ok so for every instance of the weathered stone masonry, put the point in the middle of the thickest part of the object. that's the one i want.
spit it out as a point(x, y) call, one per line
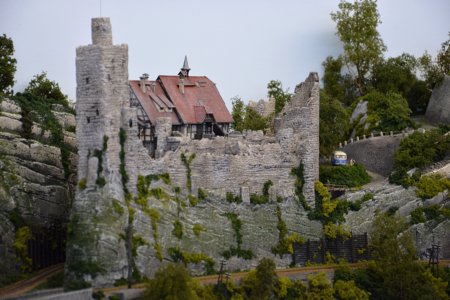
point(238, 164)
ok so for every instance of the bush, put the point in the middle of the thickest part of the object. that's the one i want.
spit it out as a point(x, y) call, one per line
point(232, 198)
point(421, 149)
point(351, 176)
point(430, 186)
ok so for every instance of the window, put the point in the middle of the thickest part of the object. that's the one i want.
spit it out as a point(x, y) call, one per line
point(130, 122)
point(88, 119)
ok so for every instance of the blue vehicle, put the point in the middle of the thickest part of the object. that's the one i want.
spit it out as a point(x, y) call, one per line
point(339, 158)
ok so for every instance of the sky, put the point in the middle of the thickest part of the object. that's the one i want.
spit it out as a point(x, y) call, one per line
point(239, 44)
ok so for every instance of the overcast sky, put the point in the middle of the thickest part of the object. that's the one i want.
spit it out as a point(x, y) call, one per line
point(239, 44)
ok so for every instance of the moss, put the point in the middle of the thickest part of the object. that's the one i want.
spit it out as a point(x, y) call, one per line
point(193, 201)
point(23, 234)
point(82, 183)
point(285, 243)
point(118, 207)
point(177, 229)
point(177, 255)
point(197, 229)
point(187, 163)
point(232, 198)
point(159, 193)
point(201, 194)
point(236, 224)
point(299, 183)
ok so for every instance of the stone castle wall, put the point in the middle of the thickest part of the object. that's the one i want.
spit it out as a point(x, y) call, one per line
point(237, 164)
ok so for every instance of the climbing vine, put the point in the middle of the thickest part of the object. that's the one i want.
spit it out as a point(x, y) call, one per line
point(187, 161)
point(264, 198)
point(299, 183)
point(285, 243)
point(236, 224)
point(177, 255)
point(99, 154)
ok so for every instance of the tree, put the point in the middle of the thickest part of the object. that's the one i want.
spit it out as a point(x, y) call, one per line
point(275, 91)
point(347, 290)
point(403, 277)
point(261, 283)
point(435, 70)
point(42, 88)
point(398, 74)
point(253, 120)
point(319, 287)
point(7, 64)
point(171, 282)
point(334, 124)
point(238, 113)
point(388, 112)
point(357, 29)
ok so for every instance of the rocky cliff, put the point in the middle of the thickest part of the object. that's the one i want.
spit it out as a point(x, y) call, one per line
point(36, 190)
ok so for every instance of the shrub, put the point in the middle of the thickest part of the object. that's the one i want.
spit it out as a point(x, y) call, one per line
point(232, 198)
point(421, 149)
point(177, 229)
point(82, 183)
point(197, 229)
point(430, 186)
point(351, 176)
point(201, 194)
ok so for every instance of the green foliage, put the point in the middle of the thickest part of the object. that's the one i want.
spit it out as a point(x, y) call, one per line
point(7, 64)
point(193, 201)
point(23, 234)
point(201, 194)
point(122, 168)
point(16, 218)
point(395, 272)
point(37, 110)
point(86, 267)
point(434, 70)
point(347, 290)
point(171, 282)
point(357, 29)
point(40, 87)
point(418, 149)
point(334, 124)
point(285, 243)
point(350, 176)
point(99, 154)
point(138, 241)
point(430, 186)
point(253, 120)
point(187, 257)
point(197, 229)
point(177, 229)
point(387, 112)
point(238, 113)
point(398, 74)
point(232, 198)
point(187, 163)
point(117, 207)
point(356, 205)
point(400, 176)
point(299, 183)
point(319, 287)
point(281, 97)
point(432, 212)
point(236, 224)
point(264, 198)
point(261, 283)
point(82, 183)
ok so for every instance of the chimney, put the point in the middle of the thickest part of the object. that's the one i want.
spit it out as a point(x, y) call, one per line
point(181, 85)
point(143, 79)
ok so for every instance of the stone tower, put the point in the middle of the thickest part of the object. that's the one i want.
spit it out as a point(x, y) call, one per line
point(98, 213)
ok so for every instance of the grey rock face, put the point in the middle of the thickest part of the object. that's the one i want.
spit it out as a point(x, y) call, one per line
point(438, 110)
point(32, 184)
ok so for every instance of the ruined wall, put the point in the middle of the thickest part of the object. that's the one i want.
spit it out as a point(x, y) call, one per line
point(103, 213)
point(297, 130)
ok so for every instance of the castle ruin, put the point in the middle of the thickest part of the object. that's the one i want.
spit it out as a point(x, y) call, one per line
point(132, 211)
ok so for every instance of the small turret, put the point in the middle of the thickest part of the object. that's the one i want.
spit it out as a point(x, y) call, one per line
point(185, 69)
point(101, 31)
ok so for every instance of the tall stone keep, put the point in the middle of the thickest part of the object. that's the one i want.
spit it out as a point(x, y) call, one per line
point(102, 91)
point(96, 252)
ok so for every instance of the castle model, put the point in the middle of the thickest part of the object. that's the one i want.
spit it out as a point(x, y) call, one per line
point(161, 179)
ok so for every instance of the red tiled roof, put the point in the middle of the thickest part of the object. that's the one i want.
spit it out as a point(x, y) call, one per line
point(200, 97)
point(198, 91)
point(150, 98)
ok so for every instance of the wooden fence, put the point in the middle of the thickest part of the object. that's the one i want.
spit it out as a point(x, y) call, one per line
point(351, 249)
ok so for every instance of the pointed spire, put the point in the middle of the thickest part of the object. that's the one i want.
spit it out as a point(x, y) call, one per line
point(185, 69)
point(185, 64)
